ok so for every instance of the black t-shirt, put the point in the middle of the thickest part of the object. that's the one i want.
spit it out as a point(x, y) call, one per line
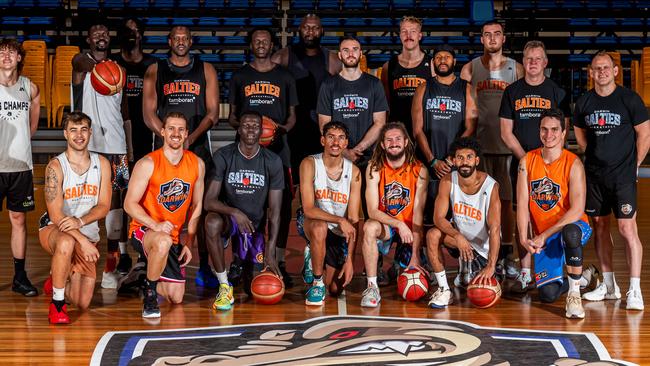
point(611, 139)
point(142, 136)
point(353, 103)
point(524, 103)
point(246, 182)
point(271, 94)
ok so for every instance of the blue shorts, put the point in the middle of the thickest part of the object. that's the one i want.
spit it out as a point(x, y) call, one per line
point(549, 263)
point(384, 245)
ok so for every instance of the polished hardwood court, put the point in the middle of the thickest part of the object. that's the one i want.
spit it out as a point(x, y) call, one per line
point(27, 338)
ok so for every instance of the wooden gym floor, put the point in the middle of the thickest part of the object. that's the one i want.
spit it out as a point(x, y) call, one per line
point(29, 339)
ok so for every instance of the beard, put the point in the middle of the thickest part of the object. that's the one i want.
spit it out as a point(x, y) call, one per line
point(466, 171)
point(395, 157)
point(439, 72)
point(311, 43)
point(352, 64)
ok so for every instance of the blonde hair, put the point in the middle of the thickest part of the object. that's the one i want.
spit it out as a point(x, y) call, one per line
point(411, 19)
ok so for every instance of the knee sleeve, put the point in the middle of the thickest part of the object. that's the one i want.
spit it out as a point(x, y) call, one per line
point(549, 293)
point(114, 224)
point(572, 237)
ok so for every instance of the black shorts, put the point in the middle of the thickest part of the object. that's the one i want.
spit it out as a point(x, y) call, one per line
point(336, 250)
point(18, 187)
point(173, 271)
point(120, 174)
point(604, 197)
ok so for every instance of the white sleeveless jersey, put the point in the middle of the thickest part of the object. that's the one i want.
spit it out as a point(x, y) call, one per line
point(105, 113)
point(81, 192)
point(470, 213)
point(331, 195)
point(15, 135)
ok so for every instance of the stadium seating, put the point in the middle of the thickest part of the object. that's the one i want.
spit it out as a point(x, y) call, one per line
point(35, 67)
point(61, 80)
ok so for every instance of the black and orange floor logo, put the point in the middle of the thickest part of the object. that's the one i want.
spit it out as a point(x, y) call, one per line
point(352, 340)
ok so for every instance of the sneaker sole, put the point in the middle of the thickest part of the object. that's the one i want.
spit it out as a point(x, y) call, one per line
point(627, 307)
point(26, 294)
point(370, 305)
point(222, 308)
point(309, 303)
point(434, 306)
point(575, 316)
point(60, 322)
point(606, 297)
point(149, 316)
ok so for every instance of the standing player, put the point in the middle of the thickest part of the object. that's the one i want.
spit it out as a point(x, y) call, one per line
point(404, 72)
point(521, 107)
point(183, 83)
point(18, 122)
point(475, 233)
point(551, 192)
point(248, 180)
point(396, 190)
point(109, 117)
point(489, 75)
point(166, 190)
point(77, 195)
point(611, 126)
point(331, 198)
point(269, 89)
point(310, 64)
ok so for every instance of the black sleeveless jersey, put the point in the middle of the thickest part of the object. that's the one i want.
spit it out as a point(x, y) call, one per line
point(402, 83)
point(444, 114)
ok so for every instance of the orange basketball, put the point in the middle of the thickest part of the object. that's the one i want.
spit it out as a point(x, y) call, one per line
point(268, 131)
point(267, 288)
point(412, 285)
point(107, 78)
point(484, 296)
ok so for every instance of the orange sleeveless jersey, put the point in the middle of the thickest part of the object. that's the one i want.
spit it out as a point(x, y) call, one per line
point(397, 191)
point(169, 193)
point(548, 187)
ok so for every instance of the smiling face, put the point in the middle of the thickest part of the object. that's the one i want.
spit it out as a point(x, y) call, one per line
point(551, 132)
point(603, 71)
point(334, 142)
point(98, 38)
point(77, 134)
point(466, 161)
point(174, 132)
point(9, 58)
point(394, 143)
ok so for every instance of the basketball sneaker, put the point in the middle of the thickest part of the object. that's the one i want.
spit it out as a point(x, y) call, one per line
point(47, 286)
point(511, 268)
point(634, 300)
point(205, 278)
point(22, 286)
point(234, 272)
point(574, 307)
point(441, 298)
point(286, 277)
point(590, 277)
point(58, 313)
point(307, 271)
point(110, 280)
point(602, 293)
point(133, 279)
point(522, 284)
point(370, 297)
point(124, 265)
point(315, 295)
point(150, 307)
point(225, 298)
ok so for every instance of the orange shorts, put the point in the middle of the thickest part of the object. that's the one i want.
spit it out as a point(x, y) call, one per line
point(78, 263)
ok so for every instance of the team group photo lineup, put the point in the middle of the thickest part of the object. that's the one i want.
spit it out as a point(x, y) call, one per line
point(427, 180)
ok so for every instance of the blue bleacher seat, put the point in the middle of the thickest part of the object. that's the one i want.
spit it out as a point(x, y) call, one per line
point(572, 4)
point(328, 4)
point(433, 40)
point(462, 58)
point(580, 22)
point(238, 4)
point(13, 20)
point(39, 37)
point(138, 4)
point(352, 5)
point(162, 3)
point(160, 55)
point(429, 4)
point(6, 3)
point(234, 40)
point(403, 4)
point(379, 4)
point(632, 22)
point(182, 21)
point(381, 22)
point(380, 40)
point(329, 22)
point(598, 4)
point(433, 22)
point(261, 22)
point(606, 40)
point(264, 4)
point(238, 58)
point(157, 21)
point(88, 4)
point(481, 11)
point(40, 20)
point(23, 3)
point(330, 40)
point(519, 5)
point(354, 22)
point(606, 22)
point(189, 4)
point(580, 58)
point(207, 40)
point(547, 4)
point(459, 40)
point(302, 4)
point(621, 4)
point(210, 57)
point(235, 22)
point(378, 57)
point(580, 40)
point(214, 4)
point(113, 4)
point(49, 3)
point(632, 41)
point(458, 22)
point(209, 21)
point(155, 40)
point(455, 4)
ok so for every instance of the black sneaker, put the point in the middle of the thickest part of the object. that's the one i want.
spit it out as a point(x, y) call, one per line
point(150, 307)
point(234, 273)
point(22, 286)
point(124, 265)
point(286, 278)
point(382, 279)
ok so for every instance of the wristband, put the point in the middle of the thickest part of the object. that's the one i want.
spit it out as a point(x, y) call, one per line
point(433, 162)
point(81, 222)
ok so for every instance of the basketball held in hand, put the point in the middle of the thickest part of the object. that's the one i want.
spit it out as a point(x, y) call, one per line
point(412, 285)
point(107, 78)
point(267, 288)
point(484, 296)
point(268, 131)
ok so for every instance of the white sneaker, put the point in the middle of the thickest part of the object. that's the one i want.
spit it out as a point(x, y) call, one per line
point(110, 280)
point(574, 307)
point(441, 298)
point(512, 271)
point(522, 284)
point(371, 297)
point(601, 293)
point(590, 274)
point(634, 300)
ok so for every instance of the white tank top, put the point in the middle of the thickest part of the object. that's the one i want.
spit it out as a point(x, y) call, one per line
point(15, 135)
point(107, 124)
point(81, 192)
point(331, 195)
point(470, 213)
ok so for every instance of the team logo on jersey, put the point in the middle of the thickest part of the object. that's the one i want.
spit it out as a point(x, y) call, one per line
point(444, 105)
point(545, 193)
point(396, 198)
point(603, 118)
point(626, 209)
point(173, 194)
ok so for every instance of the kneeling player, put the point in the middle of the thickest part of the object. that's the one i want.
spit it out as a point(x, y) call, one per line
point(552, 181)
point(246, 178)
point(165, 189)
point(476, 212)
point(77, 194)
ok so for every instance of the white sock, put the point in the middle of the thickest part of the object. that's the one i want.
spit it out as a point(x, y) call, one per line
point(574, 286)
point(222, 277)
point(318, 281)
point(583, 281)
point(442, 280)
point(635, 283)
point(58, 294)
point(608, 278)
point(279, 254)
point(525, 272)
point(122, 245)
point(372, 281)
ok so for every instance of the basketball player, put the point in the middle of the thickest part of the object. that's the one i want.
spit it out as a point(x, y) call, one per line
point(331, 198)
point(521, 106)
point(489, 76)
point(18, 122)
point(310, 64)
point(611, 126)
point(404, 72)
point(77, 195)
point(110, 121)
point(248, 180)
point(396, 190)
point(551, 191)
point(183, 83)
point(475, 234)
point(166, 192)
point(269, 89)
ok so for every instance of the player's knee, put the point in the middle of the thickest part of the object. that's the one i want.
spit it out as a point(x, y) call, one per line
point(319, 230)
point(572, 236)
point(549, 293)
point(83, 304)
point(628, 230)
point(160, 246)
point(335, 289)
point(176, 297)
point(65, 245)
point(17, 219)
point(371, 229)
point(213, 224)
point(433, 237)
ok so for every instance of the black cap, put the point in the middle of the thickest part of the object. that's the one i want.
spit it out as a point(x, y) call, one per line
point(446, 48)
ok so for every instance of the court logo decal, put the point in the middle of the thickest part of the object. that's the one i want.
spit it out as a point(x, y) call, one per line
point(173, 194)
point(352, 340)
point(545, 193)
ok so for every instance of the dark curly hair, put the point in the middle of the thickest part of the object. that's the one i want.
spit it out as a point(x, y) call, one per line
point(465, 143)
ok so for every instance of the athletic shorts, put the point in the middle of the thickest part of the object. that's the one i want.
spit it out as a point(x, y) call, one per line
point(18, 187)
point(549, 263)
point(173, 271)
point(249, 247)
point(603, 197)
point(77, 264)
point(498, 167)
point(475, 266)
point(393, 237)
point(336, 248)
point(119, 171)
